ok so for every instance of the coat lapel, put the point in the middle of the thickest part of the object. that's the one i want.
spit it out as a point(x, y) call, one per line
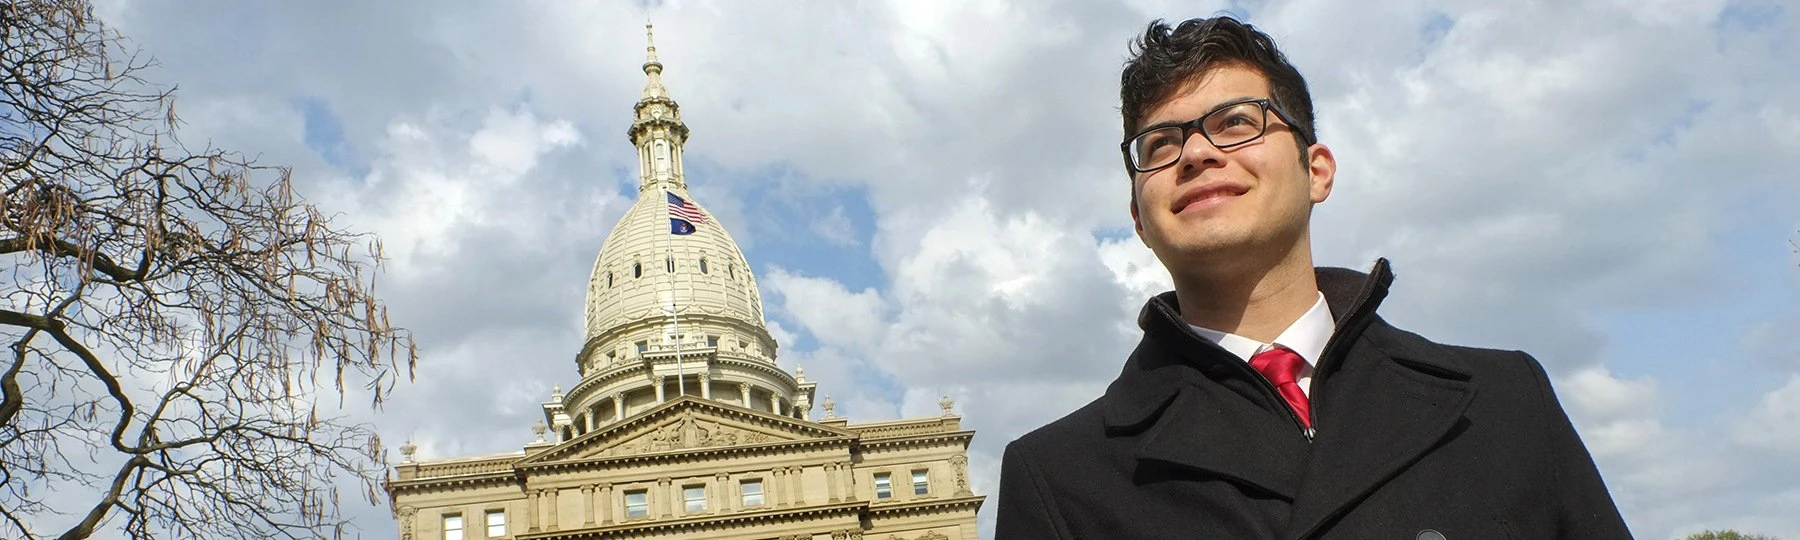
point(1376, 416)
point(1194, 406)
point(1225, 436)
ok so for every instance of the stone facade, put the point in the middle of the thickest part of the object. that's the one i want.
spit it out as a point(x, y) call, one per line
point(681, 425)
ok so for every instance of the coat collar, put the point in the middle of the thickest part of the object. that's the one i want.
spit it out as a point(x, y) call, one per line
point(1401, 393)
point(1171, 356)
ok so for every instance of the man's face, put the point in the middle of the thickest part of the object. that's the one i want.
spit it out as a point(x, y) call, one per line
point(1215, 206)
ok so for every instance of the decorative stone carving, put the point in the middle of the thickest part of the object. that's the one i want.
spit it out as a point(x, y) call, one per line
point(689, 432)
point(946, 404)
point(960, 463)
point(406, 522)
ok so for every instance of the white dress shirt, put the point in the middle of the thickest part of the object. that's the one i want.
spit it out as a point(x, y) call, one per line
point(1306, 336)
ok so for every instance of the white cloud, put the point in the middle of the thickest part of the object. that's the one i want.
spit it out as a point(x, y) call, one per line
point(1774, 424)
point(1535, 172)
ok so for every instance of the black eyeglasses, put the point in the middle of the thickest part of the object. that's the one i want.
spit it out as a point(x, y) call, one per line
point(1229, 125)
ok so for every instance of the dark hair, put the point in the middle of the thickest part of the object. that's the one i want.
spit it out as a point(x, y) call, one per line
point(1167, 58)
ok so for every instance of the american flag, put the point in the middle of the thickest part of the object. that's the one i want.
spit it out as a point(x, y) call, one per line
point(686, 211)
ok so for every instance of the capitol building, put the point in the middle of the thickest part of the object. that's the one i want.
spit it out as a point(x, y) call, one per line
point(680, 424)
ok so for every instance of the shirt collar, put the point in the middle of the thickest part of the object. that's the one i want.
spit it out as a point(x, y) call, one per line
point(1306, 336)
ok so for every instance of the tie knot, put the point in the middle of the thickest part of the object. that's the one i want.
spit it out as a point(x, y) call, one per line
point(1280, 364)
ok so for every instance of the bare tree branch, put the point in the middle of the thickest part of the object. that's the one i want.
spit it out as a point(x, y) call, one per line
point(192, 302)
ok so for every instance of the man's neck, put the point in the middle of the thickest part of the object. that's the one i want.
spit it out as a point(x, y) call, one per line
point(1257, 302)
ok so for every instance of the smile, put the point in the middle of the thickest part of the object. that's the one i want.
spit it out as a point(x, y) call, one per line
point(1208, 195)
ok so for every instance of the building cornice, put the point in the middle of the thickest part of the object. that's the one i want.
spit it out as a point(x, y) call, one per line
point(507, 477)
point(962, 437)
point(927, 506)
point(853, 509)
point(680, 455)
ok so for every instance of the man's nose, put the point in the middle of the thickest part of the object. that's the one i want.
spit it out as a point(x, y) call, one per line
point(1199, 153)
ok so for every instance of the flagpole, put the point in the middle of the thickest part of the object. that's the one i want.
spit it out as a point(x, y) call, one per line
point(674, 311)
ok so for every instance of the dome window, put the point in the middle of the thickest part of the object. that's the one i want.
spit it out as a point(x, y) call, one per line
point(671, 265)
point(637, 270)
point(703, 265)
point(609, 281)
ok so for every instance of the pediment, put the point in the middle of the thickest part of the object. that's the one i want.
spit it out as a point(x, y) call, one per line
point(687, 424)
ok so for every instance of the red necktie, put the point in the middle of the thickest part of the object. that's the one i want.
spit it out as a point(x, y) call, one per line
point(1282, 366)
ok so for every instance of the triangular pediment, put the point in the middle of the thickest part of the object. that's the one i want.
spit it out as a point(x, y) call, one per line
point(687, 424)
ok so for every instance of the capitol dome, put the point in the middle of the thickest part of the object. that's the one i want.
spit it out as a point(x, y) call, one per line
point(672, 305)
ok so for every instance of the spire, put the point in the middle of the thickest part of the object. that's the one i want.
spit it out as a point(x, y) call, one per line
point(653, 88)
point(657, 131)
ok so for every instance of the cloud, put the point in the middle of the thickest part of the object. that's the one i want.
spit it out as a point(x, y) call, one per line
point(1564, 178)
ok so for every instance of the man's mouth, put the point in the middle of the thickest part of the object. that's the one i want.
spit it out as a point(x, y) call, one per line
point(1208, 196)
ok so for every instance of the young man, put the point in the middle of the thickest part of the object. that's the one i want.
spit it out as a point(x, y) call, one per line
point(1267, 399)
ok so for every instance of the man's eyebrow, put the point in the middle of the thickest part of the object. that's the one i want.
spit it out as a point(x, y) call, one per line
point(1214, 109)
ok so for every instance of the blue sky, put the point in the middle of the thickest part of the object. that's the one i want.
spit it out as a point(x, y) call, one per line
point(931, 197)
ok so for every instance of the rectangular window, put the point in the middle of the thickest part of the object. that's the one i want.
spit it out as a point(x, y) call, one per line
point(695, 498)
point(643, 346)
point(753, 493)
point(712, 341)
point(921, 482)
point(496, 523)
point(637, 504)
point(884, 486)
point(453, 527)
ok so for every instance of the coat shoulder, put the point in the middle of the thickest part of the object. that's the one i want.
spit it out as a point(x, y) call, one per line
point(1087, 422)
point(1481, 364)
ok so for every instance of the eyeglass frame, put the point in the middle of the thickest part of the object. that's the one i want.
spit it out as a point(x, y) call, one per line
point(1197, 124)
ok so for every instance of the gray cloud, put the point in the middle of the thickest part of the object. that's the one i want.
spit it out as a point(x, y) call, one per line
point(1529, 170)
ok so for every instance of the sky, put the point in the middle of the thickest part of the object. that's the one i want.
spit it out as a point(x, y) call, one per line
point(931, 196)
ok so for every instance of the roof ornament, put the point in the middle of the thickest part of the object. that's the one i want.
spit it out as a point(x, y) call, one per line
point(653, 88)
point(830, 407)
point(407, 450)
point(947, 404)
point(539, 429)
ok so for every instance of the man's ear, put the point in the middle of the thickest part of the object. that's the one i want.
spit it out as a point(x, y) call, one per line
point(1137, 221)
point(1321, 171)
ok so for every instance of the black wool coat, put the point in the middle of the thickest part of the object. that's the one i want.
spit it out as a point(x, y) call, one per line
point(1413, 440)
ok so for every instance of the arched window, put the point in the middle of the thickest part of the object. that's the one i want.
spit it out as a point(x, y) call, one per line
point(671, 265)
point(731, 269)
point(609, 281)
point(703, 265)
point(637, 270)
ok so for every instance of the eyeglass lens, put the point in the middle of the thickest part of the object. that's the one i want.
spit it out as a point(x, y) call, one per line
point(1226, 127)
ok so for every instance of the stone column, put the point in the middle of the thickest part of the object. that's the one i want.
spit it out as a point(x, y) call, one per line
point(660, 398)
point(666, 496)
point(618, 406)
point(705, 386)
point(776, 488)
point(531, 511)
point(724, 492)
point(774, 403)
point(588, 419)
point(587, 505)
point(795, 476)
point(551, 494)
point(606, 504)
point(847, 474)
point(744, 390)
point(831, 481)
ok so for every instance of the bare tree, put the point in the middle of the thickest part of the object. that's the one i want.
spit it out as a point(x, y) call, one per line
point(173, 317)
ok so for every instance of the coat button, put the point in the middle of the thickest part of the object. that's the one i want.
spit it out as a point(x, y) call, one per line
point(1429, 534)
